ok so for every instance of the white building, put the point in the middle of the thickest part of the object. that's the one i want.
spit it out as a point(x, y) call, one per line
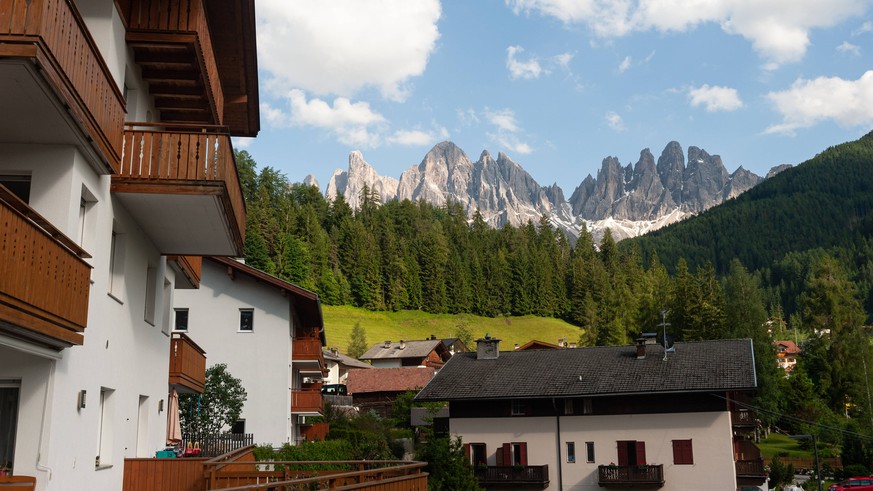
point(103, 192)
point(270, 334)
point(604, 417)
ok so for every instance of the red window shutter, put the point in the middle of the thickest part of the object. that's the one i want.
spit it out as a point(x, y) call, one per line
point(683, 452)
point(523, 446)
point(507, 454)
point(622, 453)
point(641, 453)
point(499, 456)
point(467, 451)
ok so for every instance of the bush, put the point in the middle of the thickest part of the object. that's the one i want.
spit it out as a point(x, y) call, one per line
point(448, 465)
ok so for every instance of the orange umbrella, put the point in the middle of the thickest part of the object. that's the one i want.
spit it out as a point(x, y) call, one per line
point(174, 426)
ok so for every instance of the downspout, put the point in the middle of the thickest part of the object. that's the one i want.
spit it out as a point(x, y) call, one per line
point(49, 388)
point(558, 445)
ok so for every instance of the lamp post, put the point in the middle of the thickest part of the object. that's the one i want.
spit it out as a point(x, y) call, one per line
point(815, 449)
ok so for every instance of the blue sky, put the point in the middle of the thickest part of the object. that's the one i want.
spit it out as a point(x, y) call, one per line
point(559, 84)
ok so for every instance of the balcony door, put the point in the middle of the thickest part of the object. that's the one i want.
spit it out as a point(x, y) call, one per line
point(8, 421)
point(631, 452)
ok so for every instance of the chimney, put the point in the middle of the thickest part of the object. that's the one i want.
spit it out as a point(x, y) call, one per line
point(402, 344)
point(335, 351)
point(433, 337)
point(487, 348)
point(387, 343)
point(641, 348)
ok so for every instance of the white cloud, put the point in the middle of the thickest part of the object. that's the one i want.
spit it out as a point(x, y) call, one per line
point(527, 69)
point(614, 121)
point(418, 137)
point(342, 46)
point(778, 29)
point(468, 117)
point(865, 27)
point(715, 98)
point(353, 123)
point(507, 131)
point(242, 142)
point(848, 48)
point(849, 103)
point(625, 64)
point(563, 60)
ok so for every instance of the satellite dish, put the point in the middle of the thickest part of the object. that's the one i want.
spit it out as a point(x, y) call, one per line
point(668, 344)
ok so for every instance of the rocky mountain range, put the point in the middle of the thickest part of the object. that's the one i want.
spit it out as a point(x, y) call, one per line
point(630, 200)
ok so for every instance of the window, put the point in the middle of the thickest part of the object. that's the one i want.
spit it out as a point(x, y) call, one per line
point(589, 450)
point(571, 452)
point(116, 265)
point(568, 407)
point(181, 320)
point(587, 407)
point(631, 453)
point(9, 390)
point(87, 223)
point(142, 427)
point(682, 452)
point(246, 320)
point(512, 454)
point(19, 185)
point(165, 309)
point(104, 429)
point(239, 427)
point(519, 408)
point(150, 295)
point(478, 455)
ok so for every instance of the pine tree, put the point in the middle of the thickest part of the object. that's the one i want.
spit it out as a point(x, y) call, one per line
point(357, 341)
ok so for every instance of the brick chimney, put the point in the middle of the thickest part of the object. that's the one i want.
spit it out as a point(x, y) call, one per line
point(641, 348)
point(487, 348)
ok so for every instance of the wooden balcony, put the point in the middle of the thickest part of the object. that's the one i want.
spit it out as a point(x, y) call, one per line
point(306, 354)
point(521, 475)
point(307, 401)
point(187, 365)
point(180, 183)
point(743, 418)
point(45, 48)
point(750, 472)
point(44, 283)
point(631, 475)
point(172, 45)
point(188, 270)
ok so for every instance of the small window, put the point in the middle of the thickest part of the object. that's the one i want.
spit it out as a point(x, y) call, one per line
point(239, 427)
point(682, 452)
point(116, 265)
point(246, 320)
point(19, 185)
point(568, 407)
point(104, 428)
point(181, 320)
point(589, 450)
point(519, 408)
point(587, 407)
point(571, 452)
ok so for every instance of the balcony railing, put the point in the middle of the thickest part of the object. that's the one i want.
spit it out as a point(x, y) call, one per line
point(751, 468)
point(306, 401)
point(44, 283)
point(187, 364)
point(189, 160)
point(631, 475)
point(172, 44)
point(743, 418)
point(536, 475)
point(308, 348)
point(52, 34)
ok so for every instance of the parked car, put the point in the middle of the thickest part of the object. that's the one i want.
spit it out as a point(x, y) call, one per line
point(859, 483)
point(334, 389)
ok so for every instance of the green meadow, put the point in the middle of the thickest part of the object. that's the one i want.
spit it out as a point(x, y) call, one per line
point(414, 324)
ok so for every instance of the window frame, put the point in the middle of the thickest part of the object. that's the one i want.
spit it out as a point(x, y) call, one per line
point(571, 452)
point(251, 314)
point(589, 452)
point(176, 312)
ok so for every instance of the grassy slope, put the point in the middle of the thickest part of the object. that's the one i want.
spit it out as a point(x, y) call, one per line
point(412, 324)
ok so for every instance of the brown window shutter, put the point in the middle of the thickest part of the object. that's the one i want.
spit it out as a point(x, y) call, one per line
point(467, 451)
point(683, 452)
point(523, 446)
point(622, 453)
point(507, 454)
point(641, 453)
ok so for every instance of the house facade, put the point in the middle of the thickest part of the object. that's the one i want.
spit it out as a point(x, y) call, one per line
point(604, 417)
point(786, 354)
point(116, 172)
point(377, 389)
point(270, 335)
point(338, 366)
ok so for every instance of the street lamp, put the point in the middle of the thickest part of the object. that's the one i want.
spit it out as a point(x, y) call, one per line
point(815, 449)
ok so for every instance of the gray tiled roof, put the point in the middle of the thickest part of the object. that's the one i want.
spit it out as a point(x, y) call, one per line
point(412, 349)
point(597, 371)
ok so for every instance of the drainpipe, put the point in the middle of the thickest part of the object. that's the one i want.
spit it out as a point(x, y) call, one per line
point(49, 389)
point(558, 445)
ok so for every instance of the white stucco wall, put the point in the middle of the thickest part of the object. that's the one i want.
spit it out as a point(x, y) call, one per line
point(261, 358)
point(710, 433)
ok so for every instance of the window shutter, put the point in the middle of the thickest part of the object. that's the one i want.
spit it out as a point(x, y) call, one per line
point(507, 454)
point(467, 451)
point(682, 452)
point(641, 453)
point(523, 446)
point(622, 453)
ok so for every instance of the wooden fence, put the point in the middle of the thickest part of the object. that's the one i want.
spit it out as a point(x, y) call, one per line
point(216, 445)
